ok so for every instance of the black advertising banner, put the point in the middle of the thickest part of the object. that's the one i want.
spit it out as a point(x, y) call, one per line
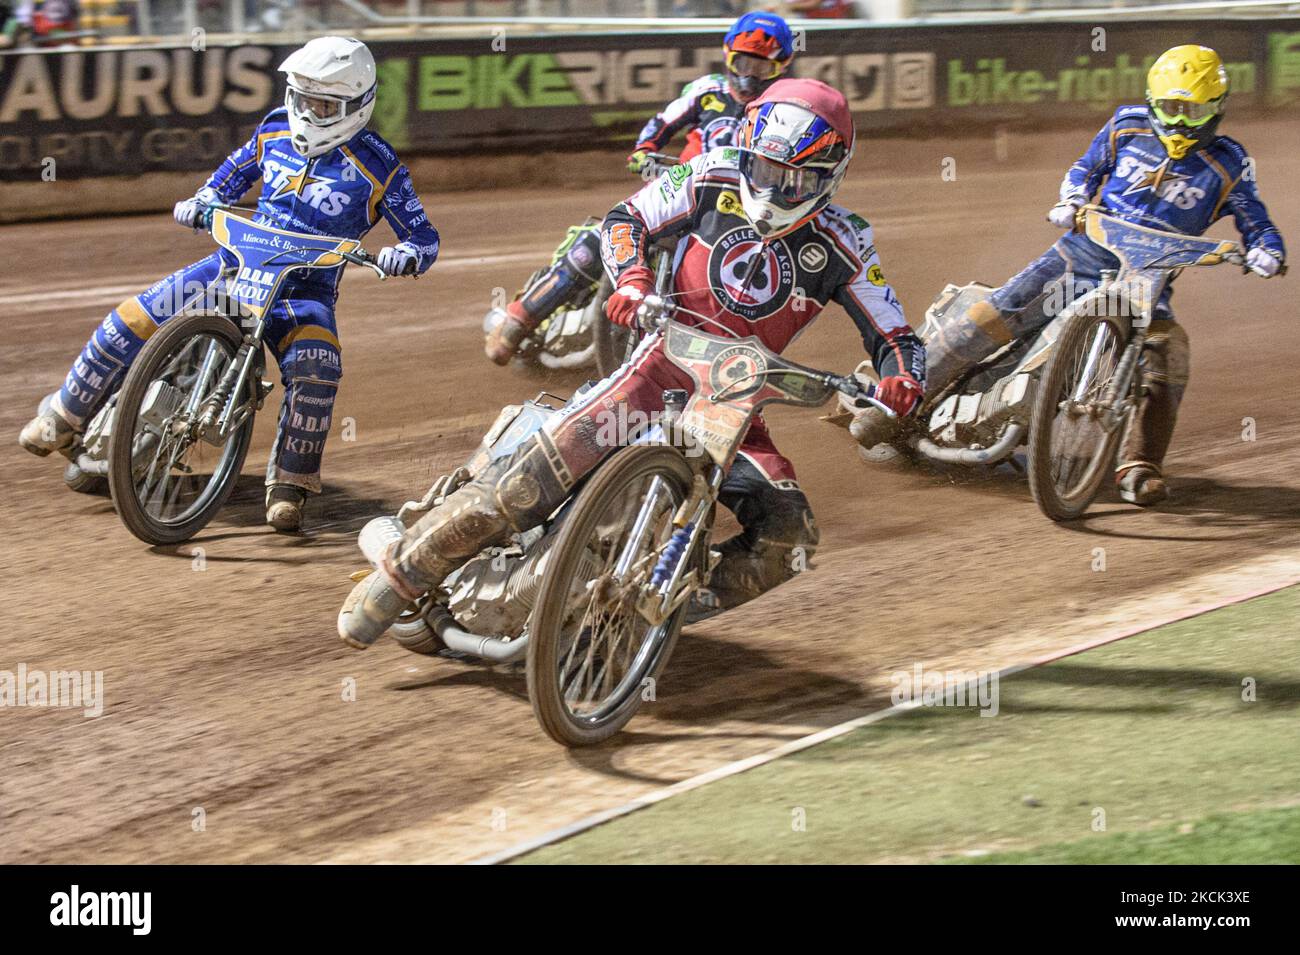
point(126, 111)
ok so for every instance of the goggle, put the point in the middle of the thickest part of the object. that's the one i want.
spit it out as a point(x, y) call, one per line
point(790, 186)
point(1184, 112)
point(322, 110)
point(747, 64)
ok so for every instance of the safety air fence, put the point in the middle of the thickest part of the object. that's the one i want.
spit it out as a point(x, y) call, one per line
point(119, 112)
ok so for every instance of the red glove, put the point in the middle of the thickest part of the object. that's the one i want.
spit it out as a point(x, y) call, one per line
point(901, 393)
point(633, 286)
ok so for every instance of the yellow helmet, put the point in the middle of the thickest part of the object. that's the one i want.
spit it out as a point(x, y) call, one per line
point(1186, 89)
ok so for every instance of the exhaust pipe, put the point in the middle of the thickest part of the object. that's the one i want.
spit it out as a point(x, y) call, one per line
point(1002, 448)
point(89, 465)
point(492, 649)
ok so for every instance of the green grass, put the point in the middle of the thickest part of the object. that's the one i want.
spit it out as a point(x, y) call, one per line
point(1147, 736)
point(1257, 837)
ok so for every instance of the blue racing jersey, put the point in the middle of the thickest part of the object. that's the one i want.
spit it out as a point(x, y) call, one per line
point(343, 192)
point(1138, 181)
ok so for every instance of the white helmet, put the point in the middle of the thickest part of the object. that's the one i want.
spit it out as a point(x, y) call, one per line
point(331, 93)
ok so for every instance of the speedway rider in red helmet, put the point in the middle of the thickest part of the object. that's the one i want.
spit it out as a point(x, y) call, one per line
point(761, 252)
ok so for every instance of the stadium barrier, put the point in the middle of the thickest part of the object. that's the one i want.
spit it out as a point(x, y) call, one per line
point(127, 120)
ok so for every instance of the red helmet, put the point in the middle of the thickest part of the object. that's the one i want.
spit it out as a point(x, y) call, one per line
point(795, 146)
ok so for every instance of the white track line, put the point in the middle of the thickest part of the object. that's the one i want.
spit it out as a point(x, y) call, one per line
point(49, 300)
point(822, 736)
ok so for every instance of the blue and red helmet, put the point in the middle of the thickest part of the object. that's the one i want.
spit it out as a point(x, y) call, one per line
point(758, 48)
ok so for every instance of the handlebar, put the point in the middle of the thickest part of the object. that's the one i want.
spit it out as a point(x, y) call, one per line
point(1234, 256)
point(360, 257)
point(655, 312)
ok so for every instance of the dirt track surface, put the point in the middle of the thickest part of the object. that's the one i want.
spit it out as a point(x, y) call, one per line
point(224, 686)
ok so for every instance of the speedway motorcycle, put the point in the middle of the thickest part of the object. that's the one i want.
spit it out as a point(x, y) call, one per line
point(580, 336)
point(172, 440)
point(1067, 391)
point(593, 600)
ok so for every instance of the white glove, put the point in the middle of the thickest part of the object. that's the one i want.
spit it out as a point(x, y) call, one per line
point(188, 212)
point(1062, 215)
point(1263, 262)
point(397, 259)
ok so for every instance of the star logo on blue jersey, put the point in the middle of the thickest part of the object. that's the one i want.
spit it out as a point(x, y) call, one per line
point(298, 182)
point(1157, 180)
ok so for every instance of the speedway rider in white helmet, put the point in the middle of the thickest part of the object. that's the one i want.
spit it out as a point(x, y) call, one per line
point(323, 173)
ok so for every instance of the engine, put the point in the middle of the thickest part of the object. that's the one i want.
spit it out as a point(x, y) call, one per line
point(493, 594)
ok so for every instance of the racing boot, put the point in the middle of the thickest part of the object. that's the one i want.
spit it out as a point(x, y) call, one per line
point(1165, 369)
point(1142, 484)
point(284, 504)
point(513, 325)
point(47, 432)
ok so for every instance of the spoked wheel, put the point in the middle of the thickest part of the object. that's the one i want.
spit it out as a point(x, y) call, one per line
point(1074, 433)
point(167, 480)
point(591, 653)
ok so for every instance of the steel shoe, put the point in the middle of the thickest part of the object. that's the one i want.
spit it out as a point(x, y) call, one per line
point(512, 326)
point(47, 432)
point(369, 611)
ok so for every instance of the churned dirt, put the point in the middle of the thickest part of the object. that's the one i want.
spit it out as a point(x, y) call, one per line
point(224, 682)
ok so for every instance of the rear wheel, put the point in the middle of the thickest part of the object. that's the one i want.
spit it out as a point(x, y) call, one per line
point(81, 482)
point(614, 343)
point(591, 654)
point(167, 481)
point(1073, 434)
point(412, 631)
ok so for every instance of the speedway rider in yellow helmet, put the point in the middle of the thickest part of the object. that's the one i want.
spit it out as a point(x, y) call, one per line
point(1161, 165)
point(1186, 90)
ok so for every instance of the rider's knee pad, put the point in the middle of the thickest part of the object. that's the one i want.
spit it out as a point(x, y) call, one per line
point(583, 257)
point(97, 370)
point(463, 524)
point(778, 542)
point(1167, 356)
point(577, 270)
point(531, 483)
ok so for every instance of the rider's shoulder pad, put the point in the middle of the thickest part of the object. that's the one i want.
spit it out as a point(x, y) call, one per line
point(851, 230)
point(274, 121)
point(720, 163)
point(1230, 153)
point(1130, 117)
point(712, 83)
point(375, 154)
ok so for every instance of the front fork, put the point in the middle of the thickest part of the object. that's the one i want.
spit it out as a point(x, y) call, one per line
point(220, 407)
point(665, 591)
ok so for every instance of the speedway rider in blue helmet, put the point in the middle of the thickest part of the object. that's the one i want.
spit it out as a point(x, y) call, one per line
point(323, 173)
point(758, 49)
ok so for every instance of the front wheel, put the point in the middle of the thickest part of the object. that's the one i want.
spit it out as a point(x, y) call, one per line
point(168, 480)
point(1074, 430)
point(592, 656)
